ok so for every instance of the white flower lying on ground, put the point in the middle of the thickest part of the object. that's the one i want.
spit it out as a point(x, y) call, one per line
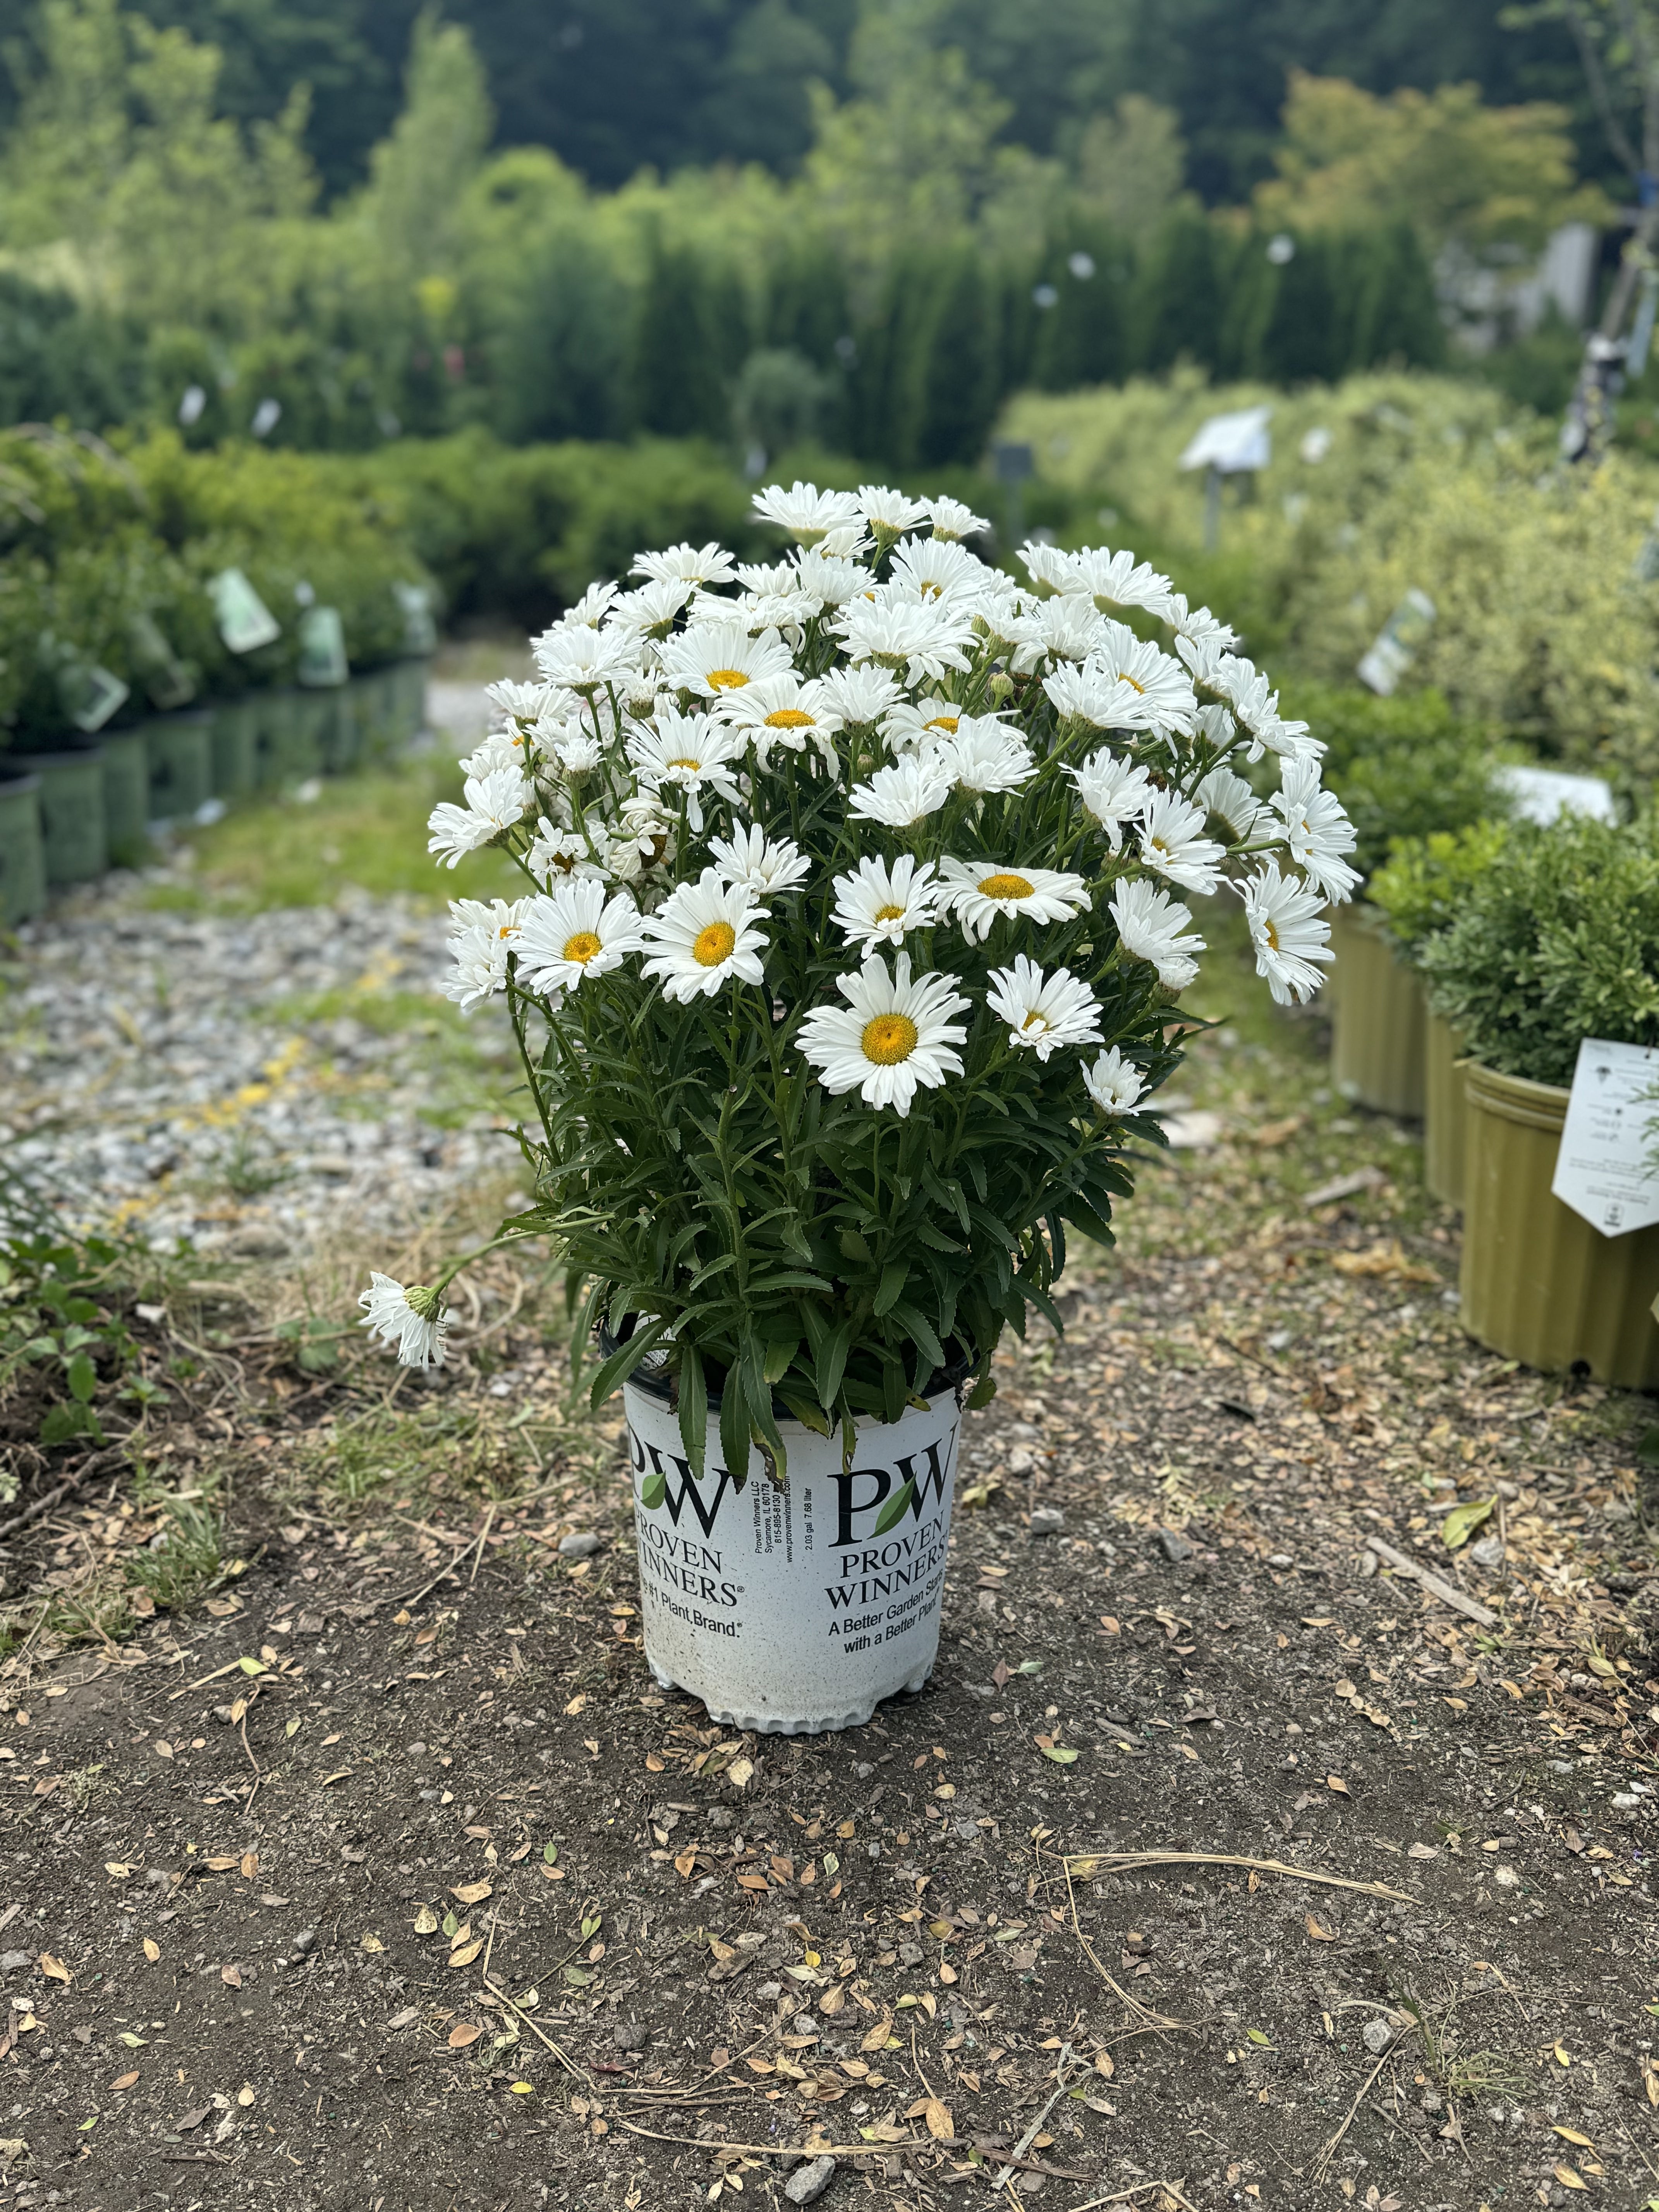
point(1316, 830)
point(704, 932)
point(977, 894)
point(1114, 1084)
point(1290, 938)
point(1173, 841)
point(1149, 923)
point(479, 944)
point(1115, 791)
point(749, 860)
point(1043, 1013)
point(574, 932)
point(893, 1036)
point(880, 903)
point(493, 803)
point(410, 1319)
point(897, 796)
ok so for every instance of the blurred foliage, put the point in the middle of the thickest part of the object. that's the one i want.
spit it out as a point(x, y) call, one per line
point(1427, 879)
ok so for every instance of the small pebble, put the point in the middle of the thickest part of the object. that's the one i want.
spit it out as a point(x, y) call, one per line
point(305, 1941)
point(1506, 1877)
point(11, 1961)
point(804, 2024)
point(808, 2183)
point(911, 1955)
point(628, 2035)
point(1376, 2035)
point(1173, 1545)
point(1280, 1560)
point(580, 1545)
point(1047, 1520)
point(1627, 1801)
point(1488, 1553)
point(770, 1992)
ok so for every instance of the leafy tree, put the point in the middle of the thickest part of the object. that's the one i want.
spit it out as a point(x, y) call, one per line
point(679, 380)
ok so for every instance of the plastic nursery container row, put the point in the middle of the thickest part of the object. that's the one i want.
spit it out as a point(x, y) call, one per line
point(68, 815)
point(1538, 1282)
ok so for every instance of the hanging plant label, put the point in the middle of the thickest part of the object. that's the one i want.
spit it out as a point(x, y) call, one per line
point(420, 631)
point(245, 623)
point(89, 694)
point(322, 648)
point(1608, 1167)
point(1397, 643)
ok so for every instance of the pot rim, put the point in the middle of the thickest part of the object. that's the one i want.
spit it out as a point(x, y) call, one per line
point(652, 1376)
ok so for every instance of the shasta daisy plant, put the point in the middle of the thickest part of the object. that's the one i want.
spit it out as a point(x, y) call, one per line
point(852, 926)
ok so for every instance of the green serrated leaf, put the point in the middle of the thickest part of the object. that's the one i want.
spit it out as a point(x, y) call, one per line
point(82, 1378)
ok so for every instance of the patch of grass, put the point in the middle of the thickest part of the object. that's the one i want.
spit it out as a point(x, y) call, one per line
point(366, 831)
point(190, 1554)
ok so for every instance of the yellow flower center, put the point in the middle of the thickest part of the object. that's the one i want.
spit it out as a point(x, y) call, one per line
point(1271, 936)
point(1007, 887)
point(948, 723)
point(582, 946)
point(789, 718)
point(695, 766)
point(507, 929)
point(714, 945)
point(888, 1039)
point(727, 679)
point(1036, 1019)
point(1124, 677)
point(1159, 845)
point(890, 913)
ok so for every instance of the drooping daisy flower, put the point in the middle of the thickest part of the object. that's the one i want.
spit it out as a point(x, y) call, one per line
point(1316, 830)
point(1290, 938)
point(704, 933)
point(696, 565)
point(879, 904)
point(1117, 579)
point(585, 661)
point(577, 750)
point(749, 860)
point(938, 569)
point(590, 609)
point(827, 578)
point(1173, 841)
point(1046, 565)
point(558, 852)
point(783, 712)
point(479, 944)
point(1149, 925)
point(1113, 790)
point(950, 518)
point(897, 796)
point(805, 512)
point(1043, 1014)
point(714, 658)
point(692, 753)
point(641, 839)
point(652, 611)
point(574, 934)
point(1227, 796)
point(1114, 1084)
point(893, 1037)
point(894, 512)
point(1197, 624)
point(923, 638)
point(763, 576)
point(501, 749)
point(1245, 691)
point(860, 696)
point(1065, 629)
point(979, 893)
point(520, 702)
point(410, 1319)
point(493, 803)
point(982, 756)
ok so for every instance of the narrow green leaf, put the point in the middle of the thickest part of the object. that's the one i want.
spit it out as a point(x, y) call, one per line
point(895, 1510)
point(694, 1406)
point(893, 1277)
point(620, 1365)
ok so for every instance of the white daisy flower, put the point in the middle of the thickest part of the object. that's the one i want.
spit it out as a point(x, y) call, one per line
point(410, 1319)
point(1173, 841)
point(979, 893)
point(1043, 1014)
point(690, 753)
point(520, 702)
point(937, 568)
point(749, 860)
point(764, 576)
point(880, 902)
point(1289, 936)
point(921, 722)
point(557, 852)
point(696, 565)
point(1154, 692)
point(577, 750)
point(922, 638)
point(703, 934)
point(573, 933)
point(716, 657)
point(590, 609)
point(585, 661)
point(827, 580)
point(1149, 926)
point(1114, 1084)
point(1117, 579)
point(783, 711)
point(860, 697)
point(493, 803)
point(652, 611)
point(982, 756)
point(1049, 568)
point(501, 749)
point(1113, 790)
point(1065, 629)
point(1316, 830)
point(897, 796)
point(950, 518)
point(1229, 797)
point(789, 612)
point(1246, 691)
point(1216, 726)
point(807, 513)
point(641, 840)
point(479, 947)
point(893, 1037)
point(895, 512)
point(1197, 624)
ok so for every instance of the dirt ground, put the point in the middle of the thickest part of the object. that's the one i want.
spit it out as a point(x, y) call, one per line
point(1220, 1863)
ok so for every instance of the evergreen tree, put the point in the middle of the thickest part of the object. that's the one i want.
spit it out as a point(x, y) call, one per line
point(956, 367)
point(1083, 338)
point(678, 384)
point(1180, 298)
point(1300, 338)
point(1393, 314)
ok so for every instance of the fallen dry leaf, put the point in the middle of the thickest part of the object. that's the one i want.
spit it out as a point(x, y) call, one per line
point(250, 1865)
point(114, 1867)
point(1572, 2136)
point(741, 1773)
point(1568, 2180)
point(54, 1968)
point(152, 1949)
point(125, 2081)
point(371, 1942)
point(1320, 1934)
point(940, 2125)
point(425, 1922)
point(462, 2033)
point(1335, 1782)
point(231, 1977)
point(472, 1893)
point(467, 1953)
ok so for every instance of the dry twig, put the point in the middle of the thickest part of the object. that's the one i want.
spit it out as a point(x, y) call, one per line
point(1086, 1863)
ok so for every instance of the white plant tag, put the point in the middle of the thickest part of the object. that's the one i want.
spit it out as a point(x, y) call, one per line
point(245, 623)
point(1607, 1168)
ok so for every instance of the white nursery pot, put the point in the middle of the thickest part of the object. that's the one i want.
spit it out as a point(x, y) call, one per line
point(781, 1608)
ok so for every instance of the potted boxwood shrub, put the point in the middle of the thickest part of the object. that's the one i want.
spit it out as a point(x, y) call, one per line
point(1557, 940)
point(1417, 890)
point(845, 975)
point(1402, 768)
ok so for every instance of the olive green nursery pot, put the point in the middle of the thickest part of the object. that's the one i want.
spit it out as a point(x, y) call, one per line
point(1445, 1116)
point(74, 841)
point(235, 746)
point(22, 858)
point(180, 750)
point(126, 795)
point(1538, 1283)
point(1376, 1017)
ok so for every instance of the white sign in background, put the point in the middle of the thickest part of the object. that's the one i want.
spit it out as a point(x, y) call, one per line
point(1607, 1168)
